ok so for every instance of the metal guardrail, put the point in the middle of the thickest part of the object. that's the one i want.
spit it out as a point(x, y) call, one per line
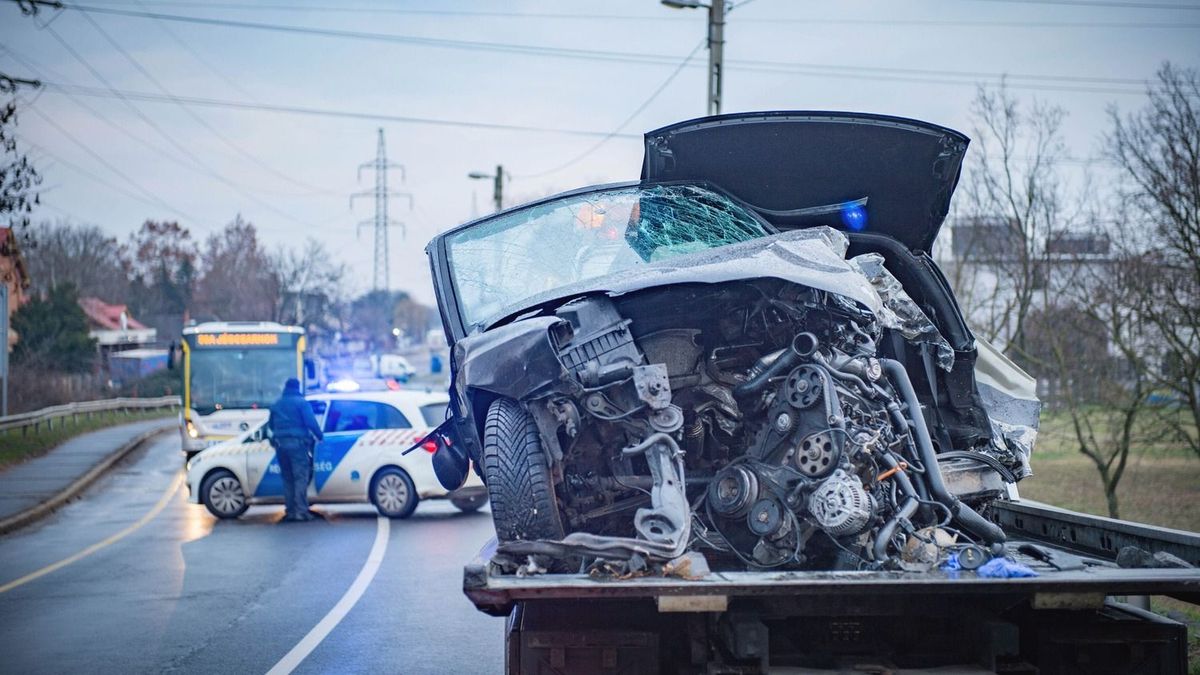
point(59, 413)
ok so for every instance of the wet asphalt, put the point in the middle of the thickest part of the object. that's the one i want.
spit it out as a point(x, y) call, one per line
point(187, 593)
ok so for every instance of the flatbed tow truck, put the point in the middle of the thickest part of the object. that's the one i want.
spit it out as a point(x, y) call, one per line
point(1082, 613)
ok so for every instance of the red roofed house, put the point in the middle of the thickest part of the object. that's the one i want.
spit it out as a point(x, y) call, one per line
point(122, 340)
point(112, 327)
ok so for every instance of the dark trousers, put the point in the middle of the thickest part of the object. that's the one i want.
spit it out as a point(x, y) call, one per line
point(295, 464)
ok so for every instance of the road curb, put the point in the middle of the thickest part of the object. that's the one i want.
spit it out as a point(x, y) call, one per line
point(19, 520)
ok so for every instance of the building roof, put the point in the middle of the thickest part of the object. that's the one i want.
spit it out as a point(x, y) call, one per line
point(104, 316)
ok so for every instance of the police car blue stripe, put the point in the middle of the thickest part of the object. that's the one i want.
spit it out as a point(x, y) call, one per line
point(329, 453)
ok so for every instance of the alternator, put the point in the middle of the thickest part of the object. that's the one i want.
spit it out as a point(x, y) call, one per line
point(840, 505)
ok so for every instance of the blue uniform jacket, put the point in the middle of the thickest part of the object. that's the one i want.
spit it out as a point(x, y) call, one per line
point(292, 417)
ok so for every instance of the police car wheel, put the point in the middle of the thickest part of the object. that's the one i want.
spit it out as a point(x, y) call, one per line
point(223, 495)
point(393, 493)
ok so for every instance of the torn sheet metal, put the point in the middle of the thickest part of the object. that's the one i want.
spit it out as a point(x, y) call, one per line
point(899, 311)
point(1009, 395)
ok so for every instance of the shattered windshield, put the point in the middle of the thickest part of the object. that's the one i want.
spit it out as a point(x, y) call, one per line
point(500, 263)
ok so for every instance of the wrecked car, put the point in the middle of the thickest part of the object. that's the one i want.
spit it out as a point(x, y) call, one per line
point(747, 355)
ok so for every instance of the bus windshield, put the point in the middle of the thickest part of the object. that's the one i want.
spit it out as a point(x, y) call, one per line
point(238, 378)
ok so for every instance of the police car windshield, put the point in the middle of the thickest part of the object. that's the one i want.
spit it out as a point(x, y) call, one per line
point(239, 378)
point(499, 265)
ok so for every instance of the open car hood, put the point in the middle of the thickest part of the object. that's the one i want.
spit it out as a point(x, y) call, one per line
point(852, 171)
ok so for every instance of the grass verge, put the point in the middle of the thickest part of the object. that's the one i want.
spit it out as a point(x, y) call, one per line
point(16, 448)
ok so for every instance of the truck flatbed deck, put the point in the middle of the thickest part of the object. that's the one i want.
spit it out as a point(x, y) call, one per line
point(1050, 623)
point(1093, 540)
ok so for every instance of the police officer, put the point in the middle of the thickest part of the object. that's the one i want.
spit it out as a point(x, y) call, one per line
point(293, 428)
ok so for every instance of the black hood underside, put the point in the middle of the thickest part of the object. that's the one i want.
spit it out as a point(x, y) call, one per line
point(853, 171)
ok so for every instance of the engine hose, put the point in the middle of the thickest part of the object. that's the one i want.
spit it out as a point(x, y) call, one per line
point(966, 516)
point(843, 375)
point(884, 536)
point(902, 480)
point(803, 346)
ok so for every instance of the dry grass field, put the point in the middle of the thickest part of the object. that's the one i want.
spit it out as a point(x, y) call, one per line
point(1161, 485)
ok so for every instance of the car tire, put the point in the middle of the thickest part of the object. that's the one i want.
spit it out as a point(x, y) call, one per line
point(393, 493)
point(518, 477)
point(469, 504)
point(223, 495)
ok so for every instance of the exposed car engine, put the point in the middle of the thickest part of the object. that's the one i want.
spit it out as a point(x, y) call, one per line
point(762, 423)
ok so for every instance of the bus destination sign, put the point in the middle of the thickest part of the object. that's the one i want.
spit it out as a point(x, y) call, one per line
point(238, 340)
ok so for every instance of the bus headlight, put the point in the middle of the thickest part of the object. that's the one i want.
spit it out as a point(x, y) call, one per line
point(192, 432)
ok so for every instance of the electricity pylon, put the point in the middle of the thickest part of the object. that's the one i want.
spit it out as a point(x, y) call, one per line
point(381, 222)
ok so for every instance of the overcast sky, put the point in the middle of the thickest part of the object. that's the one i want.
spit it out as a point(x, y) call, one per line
point(580, 66)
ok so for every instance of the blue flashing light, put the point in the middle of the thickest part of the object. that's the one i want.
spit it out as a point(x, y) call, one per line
point(854, 217)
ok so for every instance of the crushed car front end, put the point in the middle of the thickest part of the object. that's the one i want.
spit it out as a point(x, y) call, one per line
point(671, 375)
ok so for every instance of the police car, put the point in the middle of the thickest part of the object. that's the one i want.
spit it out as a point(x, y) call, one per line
point(363, 458)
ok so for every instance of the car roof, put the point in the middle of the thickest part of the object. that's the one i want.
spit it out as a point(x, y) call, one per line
point(395, 397)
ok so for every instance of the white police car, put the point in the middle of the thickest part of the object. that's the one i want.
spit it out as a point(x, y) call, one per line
point(362, 459)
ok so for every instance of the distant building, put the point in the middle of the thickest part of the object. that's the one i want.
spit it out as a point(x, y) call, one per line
point(113, 328)
point(13, 274)
point(1078, 246)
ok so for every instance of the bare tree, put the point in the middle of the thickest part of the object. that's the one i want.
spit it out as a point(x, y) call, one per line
point(236, 280)
point(310, 283)
point(161, 257)
point(1027, 280)
point(1084, 342)
point(81, 255)
point(1158, 151)
point(1012, 203)
point(18, 177)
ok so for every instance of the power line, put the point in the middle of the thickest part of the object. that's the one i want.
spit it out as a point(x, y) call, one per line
point(621, 127)
point(158, 150)
point(661, 17)
point(147, 196)
point(166, 28)
point(64, 88)
point(624, 57)
point(145, 73)
point(200, 166)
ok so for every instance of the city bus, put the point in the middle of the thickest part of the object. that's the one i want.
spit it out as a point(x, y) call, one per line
point(232, 372)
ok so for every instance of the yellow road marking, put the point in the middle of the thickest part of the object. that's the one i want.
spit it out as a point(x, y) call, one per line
point(158, 507)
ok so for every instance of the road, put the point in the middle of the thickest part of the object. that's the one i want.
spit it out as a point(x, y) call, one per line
point(184, 592)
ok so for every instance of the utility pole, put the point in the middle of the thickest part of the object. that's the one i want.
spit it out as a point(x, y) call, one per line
point(497, 184)
point(381, 222)
point(716, 54)
point(716, 46)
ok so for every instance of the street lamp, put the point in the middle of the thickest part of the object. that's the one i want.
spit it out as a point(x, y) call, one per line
point(716, 45)
point(497, 185)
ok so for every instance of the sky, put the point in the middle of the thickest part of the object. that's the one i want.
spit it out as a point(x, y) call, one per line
point(150, 117)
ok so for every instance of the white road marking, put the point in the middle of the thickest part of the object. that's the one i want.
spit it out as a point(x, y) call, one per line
point(158, 507)
point(319, 632)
